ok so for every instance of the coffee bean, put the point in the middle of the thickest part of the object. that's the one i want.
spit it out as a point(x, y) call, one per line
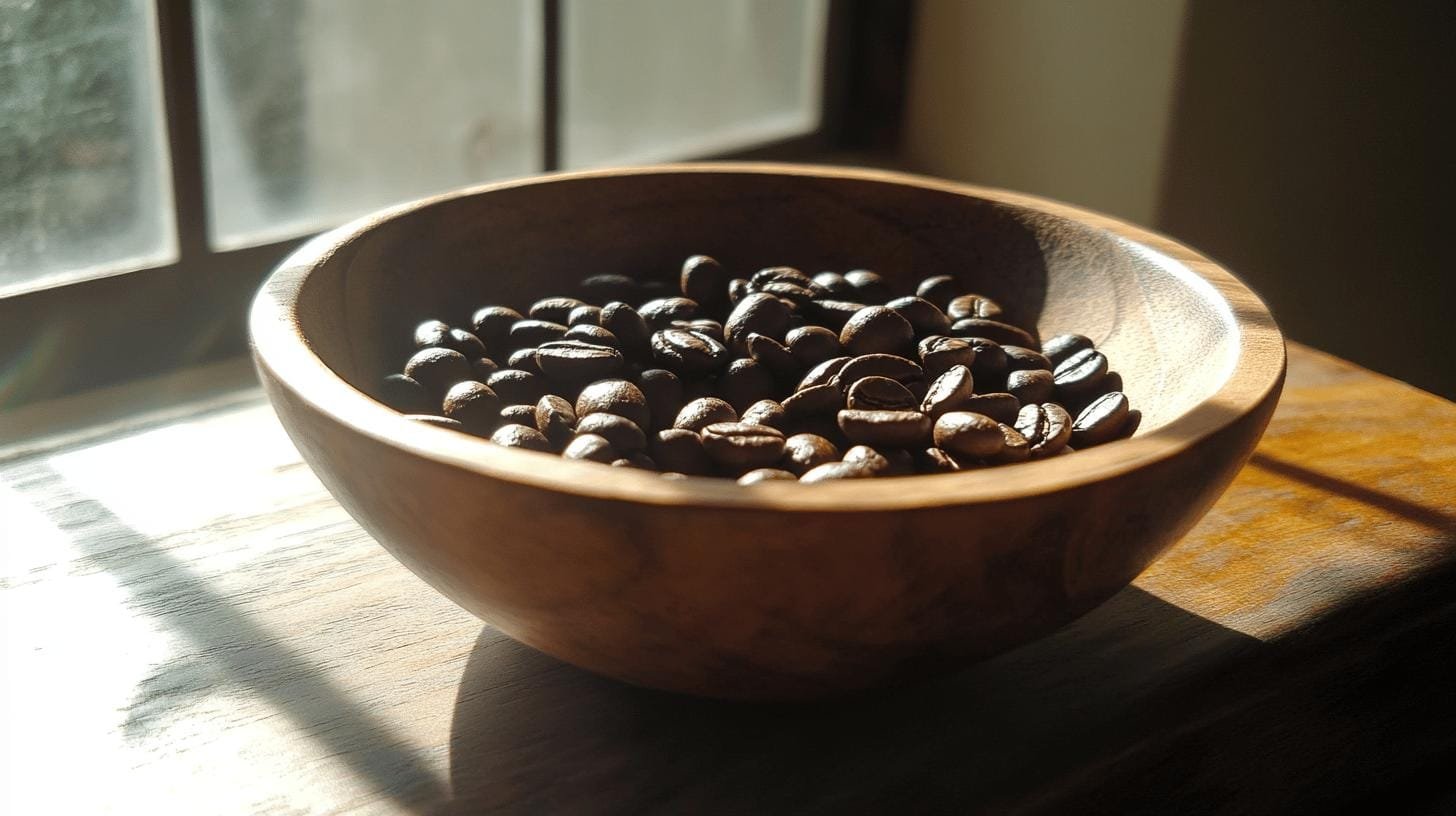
point(638, 460)
point(1015, 447)
point(624, 434)
point(812, 345)
point(1003, 333)
point(870, 286)
point(816, 400)
point(1134, 420)
point(474, 405)
point(778, 274)
point(712, 328)
point(823, 373)
point(483, 367)
point(831, 314)
point(1063, 346)
point(892, 429)
point(589, 333)
point(618, 397)
point(664, 394)
point(517, 415)
point(906, 372)
point(553, 309)
point(868, 458)
point(531, 332)
point(877, 330)
point(997, 405)
point(1080, 374)
point(437, 421)
point(934, 460)
point(555, 419)
point(705, 281)
point(766, 412)
point(804, 452)
point(834, 471)
point(923, 316)
point(1101, 421)
point(757, 313)
point(737, 290)
point(938, 353)
point(791, 292)
point(680, 451)
point(741, 445)
point(951, 391)
point(492, 324)
point(573, 361)
point(939, 289)
point(990, 363)
point(590, 448)
point(774, 356)
point(437, 369)
point(520, 436)
point(964, 433)
point(761, 475)
point(879, 394)
point(965, 306)
point(524, 360)
point(1047, 428)
point(835, 285)
point(628, 327)
point(1024, 359)
point(432, 334)
point(584, 315)
point(702, 412)
point(1030, 386)
point(661, 313)
point(405, 395)
point(603, 289)
point(746, 382)
point(688, 353)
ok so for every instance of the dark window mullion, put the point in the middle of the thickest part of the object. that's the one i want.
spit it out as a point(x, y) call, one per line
point(184, 127)
point(551, 85)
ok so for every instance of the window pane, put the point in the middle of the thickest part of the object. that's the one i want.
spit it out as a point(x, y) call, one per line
point(648, 80)
point(316, 111)
point(84, 184)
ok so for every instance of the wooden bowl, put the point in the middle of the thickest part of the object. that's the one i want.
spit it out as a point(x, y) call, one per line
point(781, 590)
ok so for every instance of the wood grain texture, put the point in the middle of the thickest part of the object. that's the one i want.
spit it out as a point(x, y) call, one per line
point(783, 591)
point(190, 624)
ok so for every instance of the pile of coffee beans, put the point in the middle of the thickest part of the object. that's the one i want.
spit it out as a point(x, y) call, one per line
point(778, 376)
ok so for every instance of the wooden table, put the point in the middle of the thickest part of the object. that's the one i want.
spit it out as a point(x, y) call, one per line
point(189, 624)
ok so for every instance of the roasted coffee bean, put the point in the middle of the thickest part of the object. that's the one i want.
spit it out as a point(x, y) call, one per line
point(555, 419)
point(939, 289)
point(705, 281)
point(680, 451)
point(628, 327)
point(573, 361)
point(1047, 428)
point(437, 369)
point(492, 324)
point(835, 471)
point(746, 382)
point(517, 415)
point(664, 394)
point(757, 313)
point(778, 274)
point(923, 316)
point(868, 458)
point(591, 448)
point(531, 332)
point(437, 421)
point(964, 306)
point(638, 460)
point(1024, 359)
point(702, 412)
point(805, 451)
point(1134, 420)
point(741, 445)
point(835, 285)
point(964, 433)
point(525, 360)
point(1080, 375)
point(584, 315)
point(879, 394)
point(951, 391)
point(791, 292)
point(1112, 382)
point(990, 363)
point(661, 313)
point(773, 356)
point(624, 434)
point(712, 328)
point(483, 367)
point(870, 286)
point(553, 309)
point(737, 290)
point(1030, 386)
point(766, 412)
point(1003, 333)
point(1101, 421)
point(688, 353)
point(466, 343)
point(812, 345)
point(520, 436)
point(603, 289)
point(432, 334)
point(589, 333)
point(1063, 346)
point(474, 405)
point(405, 395)
point(618, 397)
point(824, 373)
point(890, 429)
point(938, 353)
point(1015, 448)
point(877, 330)
point(934, 460)
point(831, 314)
point(998, 405)
point(816, 400)
point(761, 475)
point(906, 372)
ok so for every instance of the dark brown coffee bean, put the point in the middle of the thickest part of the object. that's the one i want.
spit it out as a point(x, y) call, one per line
point(474, 405)
point(766, 412)
point(1003, 333)
point(990, 363)
point(702, 412)
point(628, 327)
point(525, 360)
point(432, 334)
point(618, 397)
point(712, 328)
point(812, 345)
point(756, 313)
point(520, 436)
point(517, 415)
point(638, 460)
point(553, 309)
point(741, 445)
point(934, 460)
point(877, 330)
point(624, 434)
point(906, 372)
point(1112, 382)
point(964, 306)
point(664, 393)
point(998, 405)
point(923, 316)
point(405, 395)
point(778, 274)
point(437, 369)
point(890, 429)
point(835, 286)
point(661, 313)
point(437, 421)
point(1024, 359)
point(595, 335)
point(590, 448)
point(744, 383)
point(603, 289)
point(871, 287)
point(492, 324)
point(964, 433)
point(584, 315)
point(939, 289)
point(573, 361)
point(868, 458)
point(466, 343)
point(1015, 448)
point(705, 281)
point(774, 356)
point(1047, 428)
point(823, 373)
point(938, 353)
point(483, 367)
point(531, 332)
point(555, 419)
point(791, 292)
point(805, 451)
point(879, 394)
point(762, 475)
point(688, 353)
point(1080, 375)
point(677, 450)
point(737, 290)
point(816, 400)
point(1101, 421)
point(1063, 346)
point(1030, 386)
point(831, 314)
point(835, 471)
point(1134, 421)
point(951, 391)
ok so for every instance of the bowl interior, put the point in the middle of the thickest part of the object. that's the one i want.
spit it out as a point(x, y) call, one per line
point(1165, 329)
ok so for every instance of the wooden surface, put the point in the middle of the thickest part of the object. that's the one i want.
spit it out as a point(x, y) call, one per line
point(189, 624)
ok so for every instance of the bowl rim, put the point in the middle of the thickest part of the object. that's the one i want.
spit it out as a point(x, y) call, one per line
point(280, 346)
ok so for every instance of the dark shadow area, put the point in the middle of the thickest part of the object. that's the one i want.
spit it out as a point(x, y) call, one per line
point(1431, 517)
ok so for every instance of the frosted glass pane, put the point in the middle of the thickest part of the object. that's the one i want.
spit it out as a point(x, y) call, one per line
point(316, 111)
point(84, 175)
point(647, 80)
